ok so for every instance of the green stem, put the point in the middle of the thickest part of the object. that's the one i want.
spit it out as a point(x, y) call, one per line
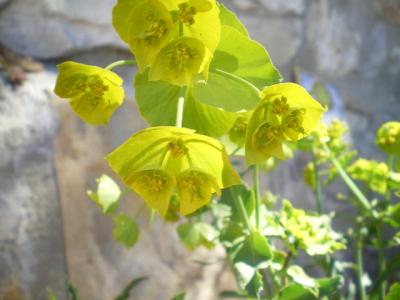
point(380, 236)
point(318, 194)
point(120, 63)
point(180, 107)
point(360, 267)
point(285, 266)
point(363, 201)
point(242, 210)
point(390, 162)
point(256, 189)
point(237, 79)
point(381, 259)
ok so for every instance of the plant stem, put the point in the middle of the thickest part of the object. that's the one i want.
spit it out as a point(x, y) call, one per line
point(363, 201)
point(256, 189)
point(120, 63)
point(381, 259)
point(318, 195)
point(360, 266)
point(242, 210)
point(180, 107)
point(285, 266)
point(380, 236)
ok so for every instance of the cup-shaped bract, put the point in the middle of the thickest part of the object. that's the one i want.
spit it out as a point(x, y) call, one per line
point(181, 61)
point(151, 28)
point(237, 134)
point(94, 93)
point(388, 137)
point(160, 161)
point(197, 19)
point(286, 112)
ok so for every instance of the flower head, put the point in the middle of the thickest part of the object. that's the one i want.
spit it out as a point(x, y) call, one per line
point(286, 112)
point(151, 28)
point(180, 61)
point(160, 161)
point(94, 93)
point(388, 137)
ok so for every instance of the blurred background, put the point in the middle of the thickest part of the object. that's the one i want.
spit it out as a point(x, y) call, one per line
point(51, 232)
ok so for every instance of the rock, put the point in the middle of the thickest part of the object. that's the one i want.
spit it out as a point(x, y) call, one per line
point(374, 51)
point(281, 38)
point(60, 26)
point(335, 45)
point(31, 236)
point(389, 9)
point(279, 7)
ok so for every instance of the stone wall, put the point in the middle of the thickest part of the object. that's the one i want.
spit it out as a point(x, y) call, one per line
point(50, 231)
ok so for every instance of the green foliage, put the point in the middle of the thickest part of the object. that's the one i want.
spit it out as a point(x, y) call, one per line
point(394, 293)
point(126, 230)
point(124, 295)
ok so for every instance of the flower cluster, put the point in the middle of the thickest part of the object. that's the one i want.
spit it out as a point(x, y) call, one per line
point(286, 112)
point(172, 38)
point(311, 233)
point(388, 137)
point(160, 162)
point(95, 93)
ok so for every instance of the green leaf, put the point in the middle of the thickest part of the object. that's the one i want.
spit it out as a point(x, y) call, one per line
point(124, 295)
point(394, 293)
point(157, 102)
point(51, 295)
point(391, 267)
point(246, 196)
point(180, 296)
point(125, 231)
point(254, 287)
point(235, 295)
point(229, 18)
point(327, 286)
point(189, 235)
point(107, 195)
point(72, 291)
point(194, 235)
point(297, 274)
point(254, 253)
point(240, 66)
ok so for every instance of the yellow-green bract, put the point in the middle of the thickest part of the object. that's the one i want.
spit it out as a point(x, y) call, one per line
point(154, 30)
point(94, 93)
point(388, 137)
point(286, 112)
point(158, 161)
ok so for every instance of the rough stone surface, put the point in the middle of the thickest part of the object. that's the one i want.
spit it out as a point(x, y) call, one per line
point(53, 28)
point(278, 7)
point(31, 237)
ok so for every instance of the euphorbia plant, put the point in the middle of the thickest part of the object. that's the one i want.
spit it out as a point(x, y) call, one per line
point(208, 90)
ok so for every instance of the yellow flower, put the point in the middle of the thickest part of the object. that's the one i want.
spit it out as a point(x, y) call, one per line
point(180, 61)
point(151, 28)
point(94, 93)
point(237, 133)
point(149, 25)
point(388, 137)
point(199, 19)
point(158, 161)
point(286, 112)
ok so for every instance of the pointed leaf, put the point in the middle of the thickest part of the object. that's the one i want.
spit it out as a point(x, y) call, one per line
point(125, 231)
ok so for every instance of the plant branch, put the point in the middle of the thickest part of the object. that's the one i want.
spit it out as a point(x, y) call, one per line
point(180, 107)
point(256, 191)
point(363, 201)
point(120, 63)
point(360, 267)
point(238, 79)
point(318, 194)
